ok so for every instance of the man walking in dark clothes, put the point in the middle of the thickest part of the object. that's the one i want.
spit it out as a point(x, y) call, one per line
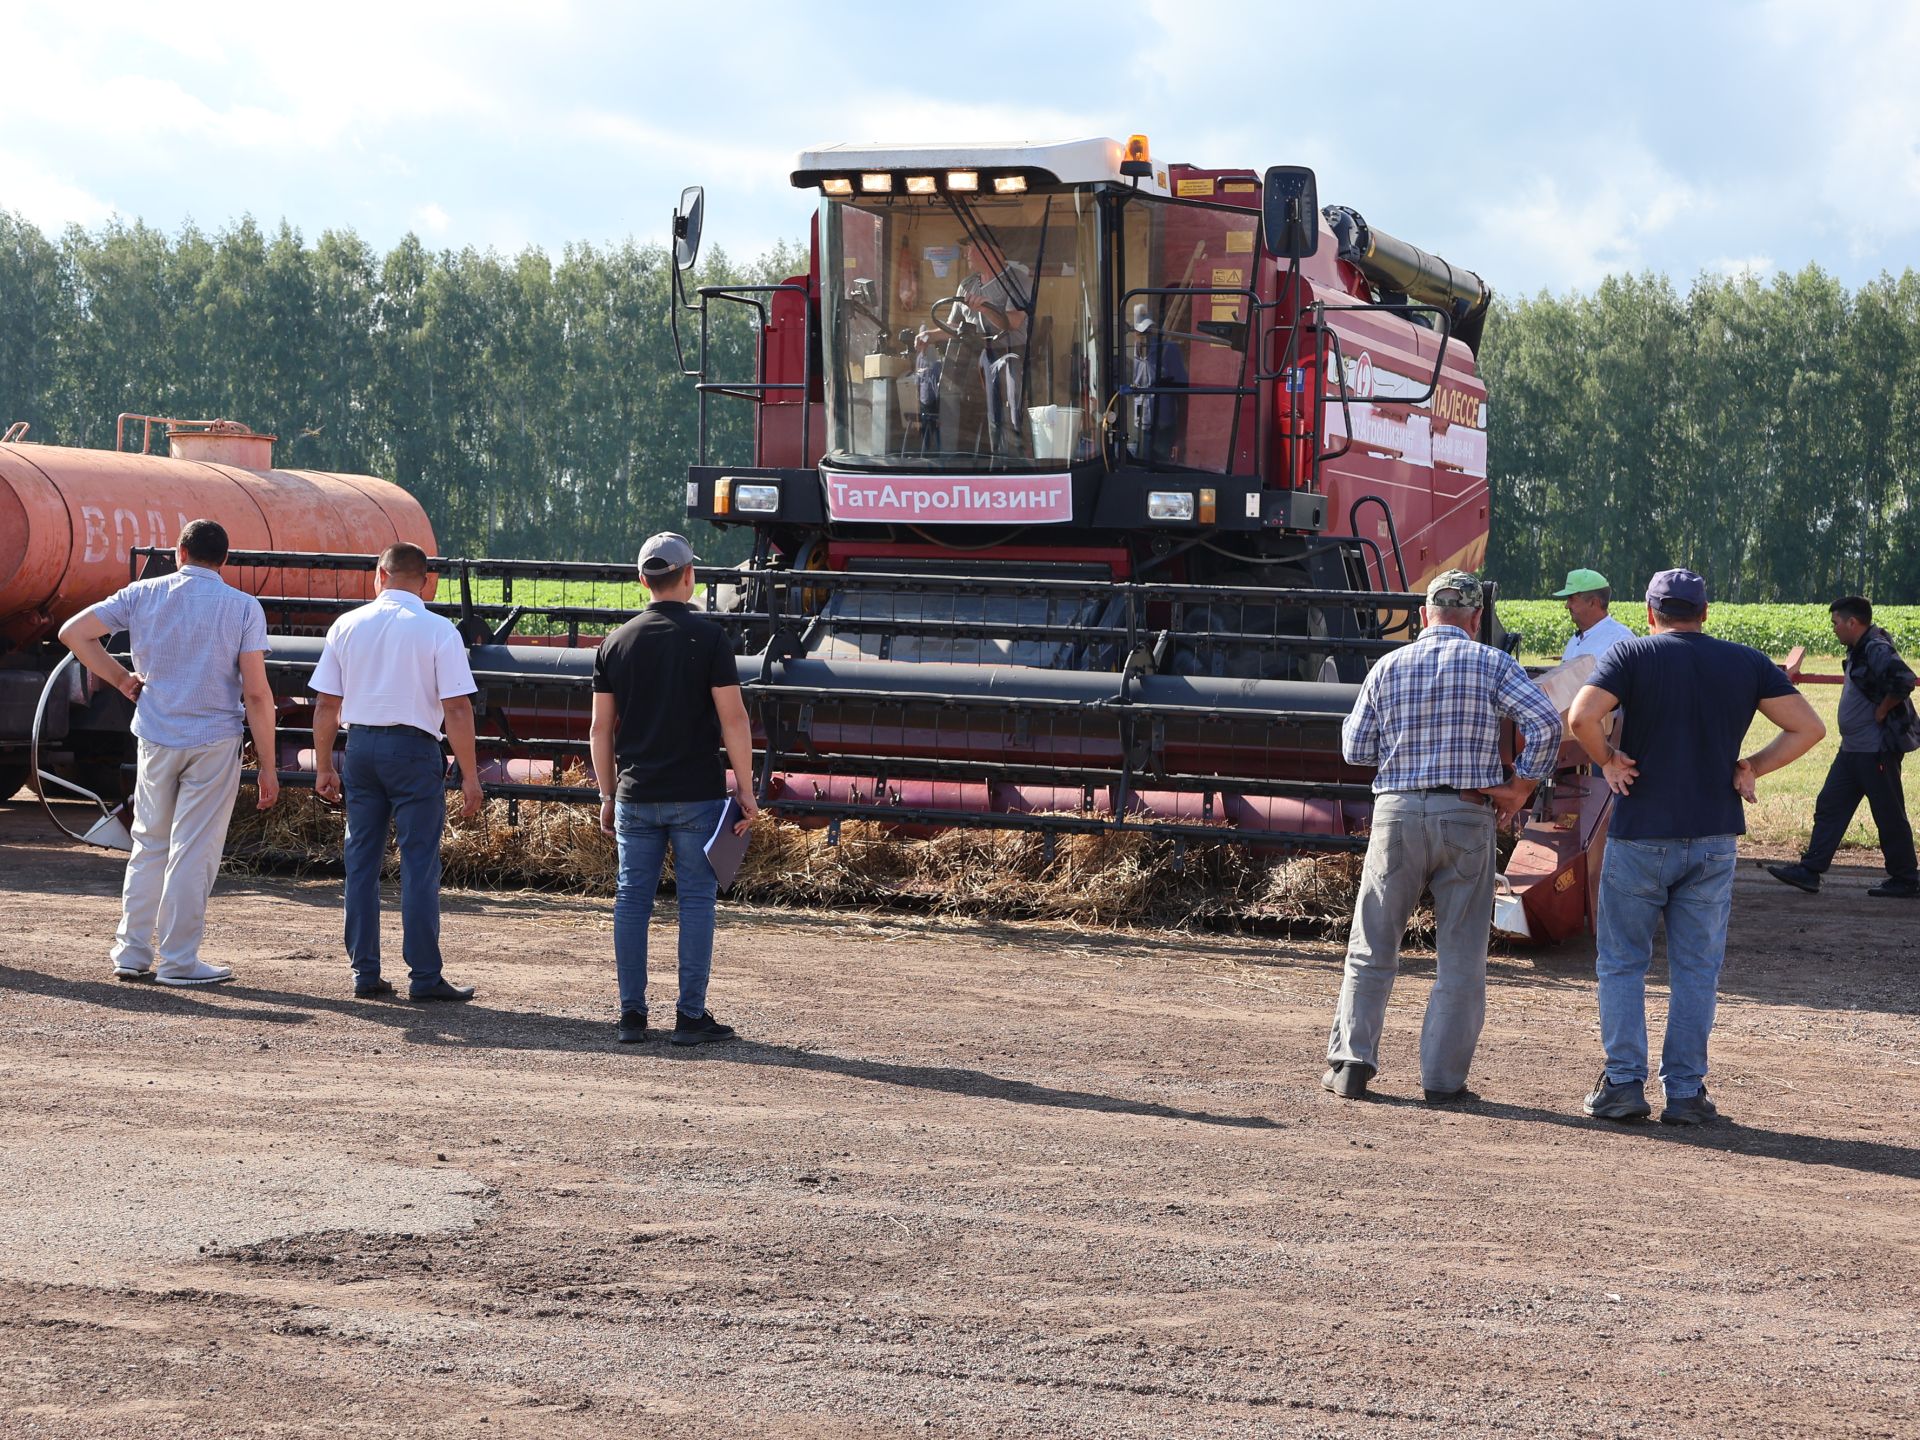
point(666, 695)
point(1877, 728)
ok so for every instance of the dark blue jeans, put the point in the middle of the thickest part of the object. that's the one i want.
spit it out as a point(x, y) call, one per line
point(398, 776)
point(643, 832)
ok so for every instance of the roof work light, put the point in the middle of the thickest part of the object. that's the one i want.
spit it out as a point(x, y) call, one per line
point(836, 185)
point(963, 180)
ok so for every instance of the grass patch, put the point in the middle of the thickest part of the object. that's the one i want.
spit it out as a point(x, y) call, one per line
point(626, 597)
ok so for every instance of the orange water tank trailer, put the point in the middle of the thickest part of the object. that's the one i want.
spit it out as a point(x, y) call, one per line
point(69, 517)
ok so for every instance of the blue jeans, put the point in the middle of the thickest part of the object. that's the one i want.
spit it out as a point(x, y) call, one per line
point(1690, 882)
point(396, 775)
point(643, 831)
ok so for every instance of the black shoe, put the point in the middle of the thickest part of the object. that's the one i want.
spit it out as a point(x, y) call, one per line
point(441, 990)
point(1689, 1110)
point(1347, 1078)
point(373, 989)
point(1462, 1096)
point(701, 1029)
point(1895, 890)
point(1625, 1101)
point(1797, 876)
point(633, 1027)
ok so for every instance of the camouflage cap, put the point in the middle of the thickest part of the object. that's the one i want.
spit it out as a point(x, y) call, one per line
point(1466, 590)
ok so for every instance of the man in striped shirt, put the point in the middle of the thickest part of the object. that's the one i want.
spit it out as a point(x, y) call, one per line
point(1429, 718)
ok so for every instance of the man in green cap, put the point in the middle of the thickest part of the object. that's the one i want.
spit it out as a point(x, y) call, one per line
point(1594, 631)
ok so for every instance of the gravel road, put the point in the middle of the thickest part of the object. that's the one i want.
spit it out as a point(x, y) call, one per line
point(955, 1180)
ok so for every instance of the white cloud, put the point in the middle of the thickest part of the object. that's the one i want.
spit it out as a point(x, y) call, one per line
point(700, 154)
point(1865, 109)
point(1575, 237)
point(432, 220)
point(1750, 267)
point(50, 201)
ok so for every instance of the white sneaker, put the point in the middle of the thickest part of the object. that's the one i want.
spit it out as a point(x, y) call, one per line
point(198, 973)
point(132, 973)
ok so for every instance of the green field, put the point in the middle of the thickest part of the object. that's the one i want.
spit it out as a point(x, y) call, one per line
point(627, 597)
point(1545, 627)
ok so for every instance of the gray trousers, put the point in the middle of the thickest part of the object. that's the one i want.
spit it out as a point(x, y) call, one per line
point(182, 802)
point(1421, 840)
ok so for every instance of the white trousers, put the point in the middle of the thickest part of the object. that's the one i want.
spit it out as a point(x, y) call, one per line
point(182, 804)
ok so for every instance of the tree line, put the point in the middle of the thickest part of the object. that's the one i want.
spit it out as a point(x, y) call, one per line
point(1763, 433)
point(533, 406)
point(1766, 433)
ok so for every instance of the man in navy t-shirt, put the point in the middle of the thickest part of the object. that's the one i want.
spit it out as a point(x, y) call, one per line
point(1688, 700)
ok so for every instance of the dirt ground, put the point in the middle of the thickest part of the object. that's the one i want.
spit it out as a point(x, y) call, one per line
point(953, 1181)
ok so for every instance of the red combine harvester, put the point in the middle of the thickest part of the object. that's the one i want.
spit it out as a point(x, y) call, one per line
point(1086, 487)
point(1084, 490)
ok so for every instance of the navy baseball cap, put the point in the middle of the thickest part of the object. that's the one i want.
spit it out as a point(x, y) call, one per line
point(666, 552)
point(1679, 593)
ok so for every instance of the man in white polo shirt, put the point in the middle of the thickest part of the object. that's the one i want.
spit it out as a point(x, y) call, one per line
point(396, 673)
point(1595, 631)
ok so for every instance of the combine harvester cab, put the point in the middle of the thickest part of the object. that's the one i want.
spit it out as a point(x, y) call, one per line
point(1084, 490)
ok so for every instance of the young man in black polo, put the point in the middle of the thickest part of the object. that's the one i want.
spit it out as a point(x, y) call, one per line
point(666, 697)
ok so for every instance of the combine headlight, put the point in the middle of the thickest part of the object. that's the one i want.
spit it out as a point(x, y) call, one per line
point(1170, 505)
point(1009, 184)
point(879, 183)
point(836, 185)
point(756, 499)
point(734, 496)
point(920, 185)
point(963, 180)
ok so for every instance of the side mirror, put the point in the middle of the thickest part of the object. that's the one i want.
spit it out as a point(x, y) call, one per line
point(687, 220)
point(1290, 212)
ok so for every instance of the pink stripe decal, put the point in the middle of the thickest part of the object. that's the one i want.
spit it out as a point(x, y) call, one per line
point(951, 499)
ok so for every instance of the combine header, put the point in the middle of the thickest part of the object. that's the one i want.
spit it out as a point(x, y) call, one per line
point(1084, 490)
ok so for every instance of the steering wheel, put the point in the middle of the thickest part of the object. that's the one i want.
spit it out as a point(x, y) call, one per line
point(956, 315)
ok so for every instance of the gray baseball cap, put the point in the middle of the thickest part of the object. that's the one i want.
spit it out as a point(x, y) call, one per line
point(665, 552)
point(1466, 589)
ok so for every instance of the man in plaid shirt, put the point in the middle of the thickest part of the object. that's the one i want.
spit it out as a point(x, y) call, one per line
point(1429, 718)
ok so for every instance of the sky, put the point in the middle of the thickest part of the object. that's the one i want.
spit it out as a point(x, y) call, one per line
point(1542, 145)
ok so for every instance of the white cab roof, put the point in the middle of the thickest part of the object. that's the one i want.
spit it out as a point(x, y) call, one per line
point(1072, 162)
